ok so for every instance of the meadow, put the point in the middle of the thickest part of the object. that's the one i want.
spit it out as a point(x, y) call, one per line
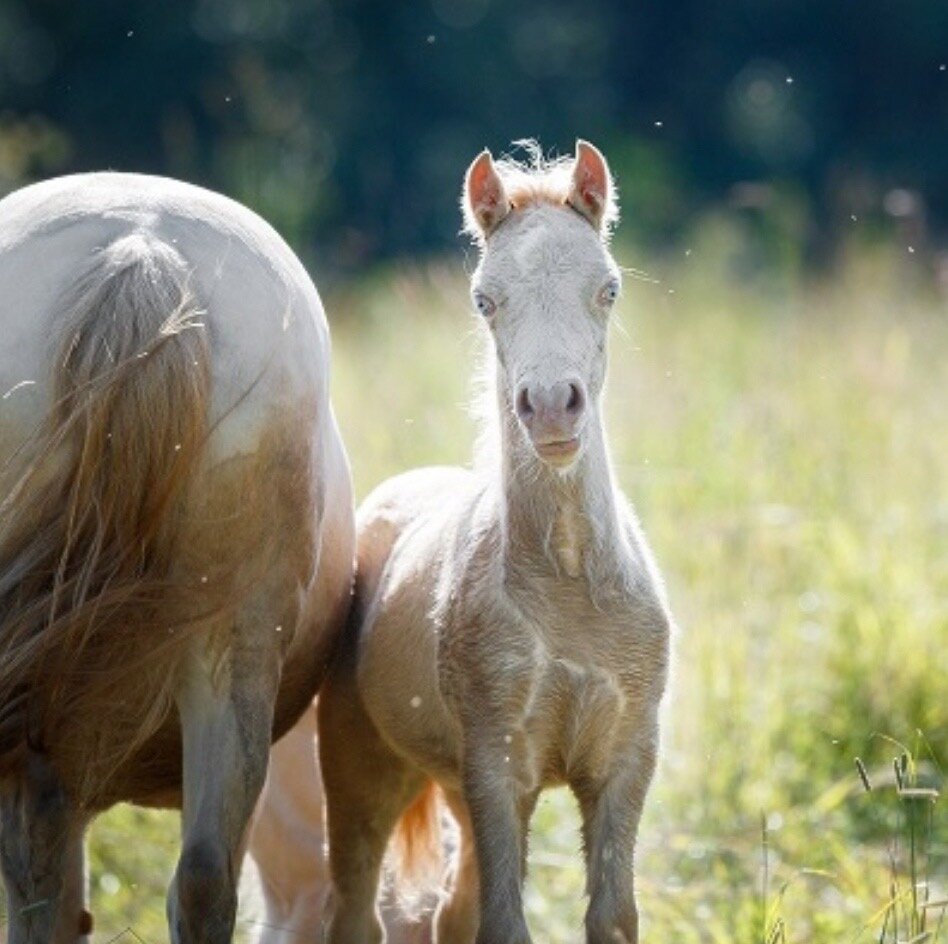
point(785, 443)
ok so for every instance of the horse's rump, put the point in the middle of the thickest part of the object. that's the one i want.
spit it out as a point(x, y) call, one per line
point(92, 615)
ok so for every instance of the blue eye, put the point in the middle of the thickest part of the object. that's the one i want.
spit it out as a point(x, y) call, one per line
point(483, 304)
point(608, 293)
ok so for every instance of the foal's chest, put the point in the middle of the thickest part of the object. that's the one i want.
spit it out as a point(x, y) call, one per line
point(582, 721)
point(576, 689)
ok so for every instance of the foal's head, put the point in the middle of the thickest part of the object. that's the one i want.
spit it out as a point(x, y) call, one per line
point(545, 285)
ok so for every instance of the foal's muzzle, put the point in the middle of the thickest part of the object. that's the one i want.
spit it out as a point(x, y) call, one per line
point(553, 418)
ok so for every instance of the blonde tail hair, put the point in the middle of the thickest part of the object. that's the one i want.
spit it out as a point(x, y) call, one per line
point(90, 617)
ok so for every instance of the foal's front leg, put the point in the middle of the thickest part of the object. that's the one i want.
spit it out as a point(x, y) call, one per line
point(491, 794)
point(226, 717)
point(611, 811)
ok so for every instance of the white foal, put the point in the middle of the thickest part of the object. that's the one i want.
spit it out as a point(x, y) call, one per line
point(510, 629)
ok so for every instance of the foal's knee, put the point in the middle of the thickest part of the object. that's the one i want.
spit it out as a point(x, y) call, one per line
point(205, 899)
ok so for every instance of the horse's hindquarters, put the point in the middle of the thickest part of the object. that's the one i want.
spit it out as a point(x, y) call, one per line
point(175, 528)
point(254, 544)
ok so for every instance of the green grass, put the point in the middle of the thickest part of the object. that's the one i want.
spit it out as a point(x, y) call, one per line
point(787, 450)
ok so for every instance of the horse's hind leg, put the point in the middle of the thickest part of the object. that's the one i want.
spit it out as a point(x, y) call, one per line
point(41, 850)
point(226, 718)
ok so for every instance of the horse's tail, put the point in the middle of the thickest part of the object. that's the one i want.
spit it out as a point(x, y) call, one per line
point(89, 614)
point(416, 850)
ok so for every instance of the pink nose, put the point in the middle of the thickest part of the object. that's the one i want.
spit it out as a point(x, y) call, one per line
point(551, 414)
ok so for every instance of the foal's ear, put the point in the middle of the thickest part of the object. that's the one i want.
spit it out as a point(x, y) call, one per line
point(591, 192)
point(484, 201)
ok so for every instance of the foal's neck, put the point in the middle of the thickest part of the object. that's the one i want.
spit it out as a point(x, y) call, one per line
point(569, 519)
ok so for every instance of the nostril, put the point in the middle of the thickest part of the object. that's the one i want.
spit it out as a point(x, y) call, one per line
point(576, 399)
point(524, 406)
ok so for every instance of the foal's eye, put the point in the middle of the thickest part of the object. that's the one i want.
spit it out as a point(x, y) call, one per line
point(608, 293)
point(483, 304)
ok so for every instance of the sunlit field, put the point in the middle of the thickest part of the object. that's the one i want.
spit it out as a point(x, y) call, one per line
point(786, 446)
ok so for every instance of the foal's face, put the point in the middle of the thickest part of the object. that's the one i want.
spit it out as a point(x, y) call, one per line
point(545, 286)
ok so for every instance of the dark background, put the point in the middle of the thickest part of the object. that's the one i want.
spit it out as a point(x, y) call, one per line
point(348, 124)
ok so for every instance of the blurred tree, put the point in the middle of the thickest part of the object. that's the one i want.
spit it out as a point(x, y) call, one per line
point(348, 123)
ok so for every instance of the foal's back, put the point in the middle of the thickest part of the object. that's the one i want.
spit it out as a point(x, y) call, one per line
point(414, 534)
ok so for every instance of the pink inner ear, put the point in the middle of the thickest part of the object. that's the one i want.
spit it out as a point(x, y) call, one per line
point(591, 178)
point(483, 186)
point(590, 182)
point(591, 195)
point(485, 193)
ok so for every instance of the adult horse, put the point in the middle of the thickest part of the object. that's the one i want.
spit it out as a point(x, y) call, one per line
point(176, 534)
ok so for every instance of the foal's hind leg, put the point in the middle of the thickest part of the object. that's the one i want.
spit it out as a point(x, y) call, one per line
point(41, 849)
point(458, 916)
point(226, 718)
point(367, 787)
point(287, 842)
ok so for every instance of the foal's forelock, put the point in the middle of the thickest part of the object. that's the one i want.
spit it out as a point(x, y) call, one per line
point(540, 181)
